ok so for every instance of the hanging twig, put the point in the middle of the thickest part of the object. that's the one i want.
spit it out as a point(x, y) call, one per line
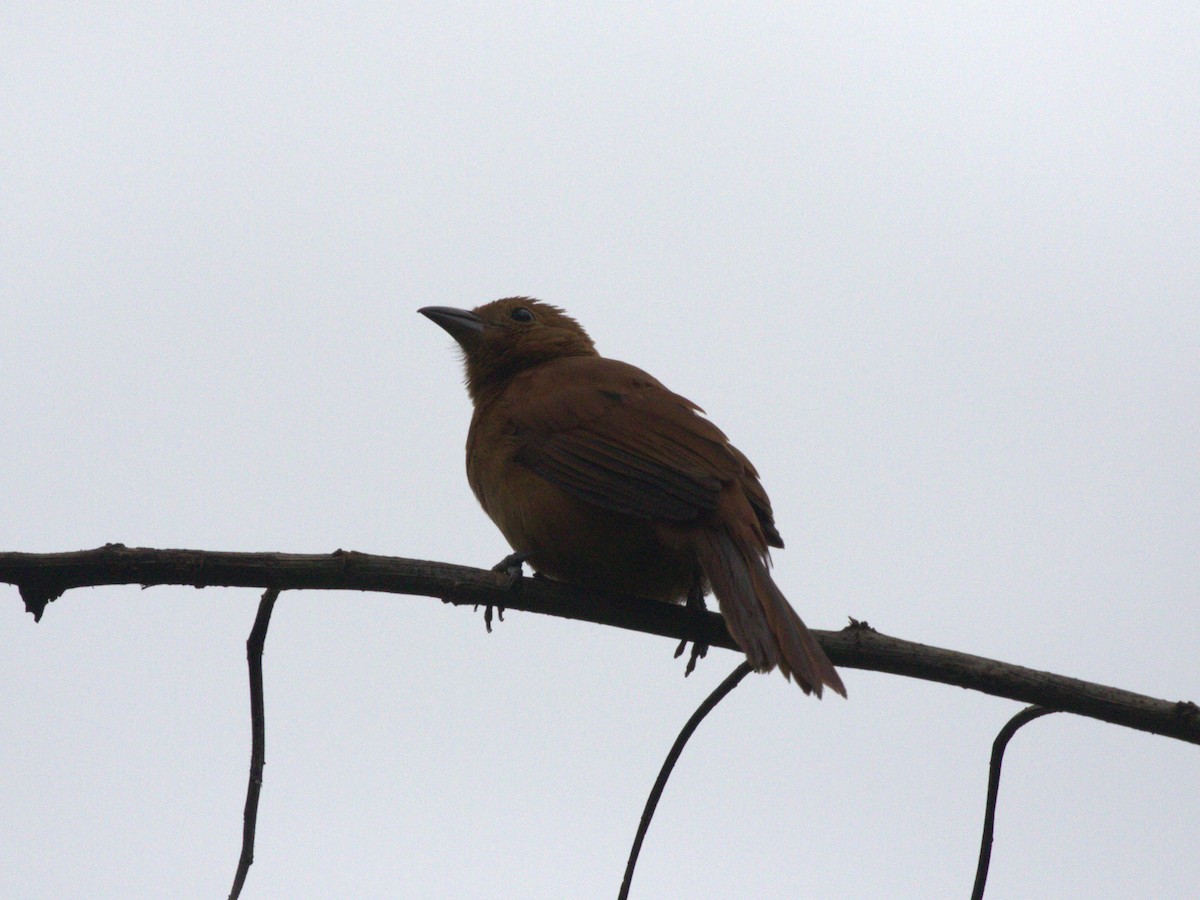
point(258, 732)
point(730, 682)
point(1024, 717)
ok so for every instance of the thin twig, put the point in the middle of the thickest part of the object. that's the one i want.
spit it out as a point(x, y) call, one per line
point(730, 682)
point(1024, 717)
point(258, 731)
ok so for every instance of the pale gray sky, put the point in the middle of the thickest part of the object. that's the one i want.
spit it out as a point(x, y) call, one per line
point(934, 268)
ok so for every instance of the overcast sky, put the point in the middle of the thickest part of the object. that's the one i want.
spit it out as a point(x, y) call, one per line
point(935, 269)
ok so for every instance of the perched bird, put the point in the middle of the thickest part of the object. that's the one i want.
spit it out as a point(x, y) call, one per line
point(599, 475)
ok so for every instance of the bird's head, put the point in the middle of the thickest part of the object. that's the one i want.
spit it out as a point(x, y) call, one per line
point(504, 337)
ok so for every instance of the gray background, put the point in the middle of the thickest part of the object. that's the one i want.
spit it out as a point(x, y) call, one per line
point(934, 268)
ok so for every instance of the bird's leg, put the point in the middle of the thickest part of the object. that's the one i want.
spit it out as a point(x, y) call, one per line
point(513, 566)
point(697, 606)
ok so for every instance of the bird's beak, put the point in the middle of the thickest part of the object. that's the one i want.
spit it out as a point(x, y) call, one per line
point(462, 324)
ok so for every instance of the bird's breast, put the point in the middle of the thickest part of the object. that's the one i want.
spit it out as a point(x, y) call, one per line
point(567, 538)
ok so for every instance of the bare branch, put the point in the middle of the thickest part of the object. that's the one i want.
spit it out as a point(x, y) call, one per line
point(42, 577)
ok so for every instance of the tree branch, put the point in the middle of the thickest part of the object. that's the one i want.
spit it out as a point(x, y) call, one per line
point(43, 577)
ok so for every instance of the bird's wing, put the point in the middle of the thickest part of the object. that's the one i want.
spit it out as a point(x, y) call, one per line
point(610, 434)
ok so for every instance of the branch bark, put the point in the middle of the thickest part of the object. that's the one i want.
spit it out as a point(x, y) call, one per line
point(43, 577)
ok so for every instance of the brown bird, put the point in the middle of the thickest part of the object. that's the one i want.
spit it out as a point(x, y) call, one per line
point(599, 475)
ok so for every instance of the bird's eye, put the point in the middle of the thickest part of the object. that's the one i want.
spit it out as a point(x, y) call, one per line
point(521, 314)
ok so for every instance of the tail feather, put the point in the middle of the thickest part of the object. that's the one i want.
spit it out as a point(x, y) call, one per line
point(730, 578)
point(759, 617)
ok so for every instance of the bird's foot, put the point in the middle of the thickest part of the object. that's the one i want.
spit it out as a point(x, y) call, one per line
point(697, 606)
point(513, 566)
point(699, 651)
point(487, 615)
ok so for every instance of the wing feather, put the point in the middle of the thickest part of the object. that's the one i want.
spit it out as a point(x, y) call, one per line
point(610, 434)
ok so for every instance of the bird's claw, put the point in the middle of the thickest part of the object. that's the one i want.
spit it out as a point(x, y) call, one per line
point(487, 615)
point(699, 651)
point(513, 566)
point(697, 607)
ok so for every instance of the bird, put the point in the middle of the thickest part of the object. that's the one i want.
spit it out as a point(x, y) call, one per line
point(599, 475)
